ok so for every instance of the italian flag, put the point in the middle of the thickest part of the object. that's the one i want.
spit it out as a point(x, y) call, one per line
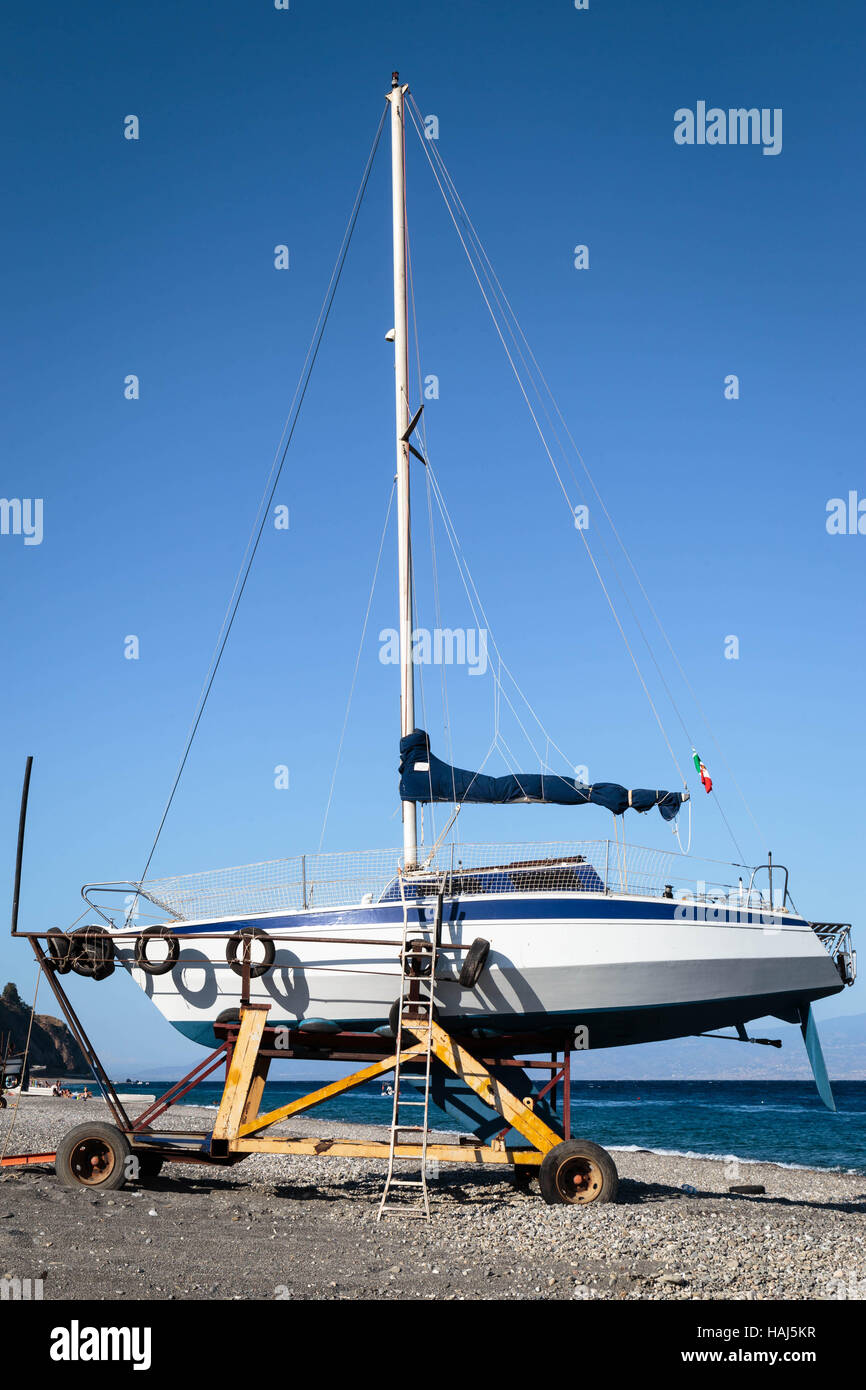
point(706, 779)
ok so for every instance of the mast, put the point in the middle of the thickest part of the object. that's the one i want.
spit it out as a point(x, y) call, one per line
point(401, 391)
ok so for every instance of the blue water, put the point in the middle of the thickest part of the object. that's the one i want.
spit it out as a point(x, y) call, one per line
point(773, 1121)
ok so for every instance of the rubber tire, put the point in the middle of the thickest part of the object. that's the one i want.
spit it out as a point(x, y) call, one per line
point(158, 967)
point(91, 961)
point(474, 962)
point(235, 944)
point(227, 1016)
point(149, 1166)
point(524, 1176)
point(419, 961)
point(393, 1014)
point(553, 1181)
point(108, 1135)
point(59, 950)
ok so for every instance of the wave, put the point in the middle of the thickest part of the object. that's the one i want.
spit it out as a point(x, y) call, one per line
point(733, 1158)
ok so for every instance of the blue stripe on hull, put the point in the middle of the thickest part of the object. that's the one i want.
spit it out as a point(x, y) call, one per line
point(484, 909)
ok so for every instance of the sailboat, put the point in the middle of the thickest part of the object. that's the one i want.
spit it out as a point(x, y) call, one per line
point(599, 942)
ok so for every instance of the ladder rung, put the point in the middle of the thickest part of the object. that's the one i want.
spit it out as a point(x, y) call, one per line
point(416, 1017)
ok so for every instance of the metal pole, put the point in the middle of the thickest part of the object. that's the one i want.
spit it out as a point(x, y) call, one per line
point(770, 869)
point(401, 392)
point(19, 857)
point(103, 1081)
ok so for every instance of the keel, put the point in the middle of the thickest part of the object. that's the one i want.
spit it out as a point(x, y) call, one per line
point(809, 1029)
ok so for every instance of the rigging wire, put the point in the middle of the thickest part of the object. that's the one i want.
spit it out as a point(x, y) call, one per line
point(479, 614)
point(357, 662)
point(552, 461)
point(510, 317)
point(430, 518)
point(273, 480)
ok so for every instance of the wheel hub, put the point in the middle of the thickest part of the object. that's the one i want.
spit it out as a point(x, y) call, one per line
point(92, 1161)
point(579, 1180)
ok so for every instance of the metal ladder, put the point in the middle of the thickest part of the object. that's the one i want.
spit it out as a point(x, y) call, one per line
point(417, 965)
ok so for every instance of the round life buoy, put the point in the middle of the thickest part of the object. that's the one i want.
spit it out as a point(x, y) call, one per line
point(235, 944)
point(157, 967)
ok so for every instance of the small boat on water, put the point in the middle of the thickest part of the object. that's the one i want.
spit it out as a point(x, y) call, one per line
point(608, 942)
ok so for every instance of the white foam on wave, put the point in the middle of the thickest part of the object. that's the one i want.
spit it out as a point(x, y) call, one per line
point(731, 1158)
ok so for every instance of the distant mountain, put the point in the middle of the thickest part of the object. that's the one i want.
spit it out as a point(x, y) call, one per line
point(692, 1059)
point(51, 1044)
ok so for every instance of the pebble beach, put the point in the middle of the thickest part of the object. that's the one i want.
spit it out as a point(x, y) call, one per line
point(279, 1227)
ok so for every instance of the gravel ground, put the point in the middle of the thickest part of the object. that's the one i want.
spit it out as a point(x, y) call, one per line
point(298, 1227)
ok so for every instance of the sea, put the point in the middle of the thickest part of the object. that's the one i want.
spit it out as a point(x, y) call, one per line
point(759, 1121)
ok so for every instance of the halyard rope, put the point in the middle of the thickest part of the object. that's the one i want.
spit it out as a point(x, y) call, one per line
point(273, 480)
point(498, 294)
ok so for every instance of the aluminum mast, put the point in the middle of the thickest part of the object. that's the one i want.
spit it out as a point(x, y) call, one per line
point(401, 389)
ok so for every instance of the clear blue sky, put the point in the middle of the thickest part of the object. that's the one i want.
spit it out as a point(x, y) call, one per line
point(155, 257)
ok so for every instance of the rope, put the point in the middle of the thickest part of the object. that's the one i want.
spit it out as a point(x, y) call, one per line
point(510, 317)
point(273, 480)
point(550, 457)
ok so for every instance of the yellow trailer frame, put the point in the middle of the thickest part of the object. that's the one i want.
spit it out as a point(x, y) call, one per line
point(578, 1171)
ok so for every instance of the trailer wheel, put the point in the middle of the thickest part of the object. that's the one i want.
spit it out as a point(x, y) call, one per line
point(474, 962)
point(578, 1171)
point(92, 1156)
point(149, 1166)
point(522, 1176)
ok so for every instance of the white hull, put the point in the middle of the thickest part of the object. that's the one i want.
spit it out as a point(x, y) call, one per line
point(635, 973)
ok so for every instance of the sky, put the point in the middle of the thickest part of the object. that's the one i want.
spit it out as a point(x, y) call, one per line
point(155, 257)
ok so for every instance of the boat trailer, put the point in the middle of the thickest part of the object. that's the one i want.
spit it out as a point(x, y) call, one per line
point(104, 1156)
point(419, 1051)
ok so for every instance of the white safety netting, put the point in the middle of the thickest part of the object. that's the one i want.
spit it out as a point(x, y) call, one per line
point(334, 880)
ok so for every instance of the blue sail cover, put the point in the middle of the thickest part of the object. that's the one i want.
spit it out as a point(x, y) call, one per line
point(424, 777)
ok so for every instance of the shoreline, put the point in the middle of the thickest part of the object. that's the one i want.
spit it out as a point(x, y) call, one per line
point(275, 1227)
point(350, 1126)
